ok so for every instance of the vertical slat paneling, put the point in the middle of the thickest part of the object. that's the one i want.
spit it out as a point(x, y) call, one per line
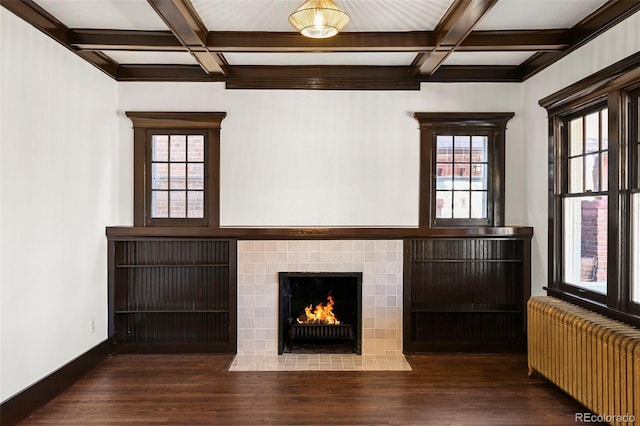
point(173, 292)
point(466, 292)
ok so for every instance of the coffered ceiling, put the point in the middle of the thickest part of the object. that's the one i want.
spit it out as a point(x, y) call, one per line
point(387, 45)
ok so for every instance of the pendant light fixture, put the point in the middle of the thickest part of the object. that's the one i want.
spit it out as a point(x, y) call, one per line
point(319, 19)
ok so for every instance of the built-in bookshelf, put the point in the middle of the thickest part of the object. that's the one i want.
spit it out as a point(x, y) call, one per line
point(172, 295)
point(464, 294)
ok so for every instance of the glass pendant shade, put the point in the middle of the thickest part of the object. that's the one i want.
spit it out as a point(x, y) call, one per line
point(319, 18)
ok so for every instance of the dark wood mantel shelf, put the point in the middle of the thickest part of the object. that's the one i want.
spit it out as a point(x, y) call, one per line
point(126, 232)
point(174, 289)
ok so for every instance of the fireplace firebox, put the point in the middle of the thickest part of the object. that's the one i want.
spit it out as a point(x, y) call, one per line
point(320, 312)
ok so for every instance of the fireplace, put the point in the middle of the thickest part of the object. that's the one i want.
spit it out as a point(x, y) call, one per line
point(320, 312)
point(259, 263)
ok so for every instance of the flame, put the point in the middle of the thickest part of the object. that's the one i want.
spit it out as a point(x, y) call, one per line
point(321, 314)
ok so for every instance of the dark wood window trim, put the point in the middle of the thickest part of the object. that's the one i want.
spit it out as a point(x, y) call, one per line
point(610, 87)
point(492, 124)
point(563, 193)
point(144, 124)
point(631, 190)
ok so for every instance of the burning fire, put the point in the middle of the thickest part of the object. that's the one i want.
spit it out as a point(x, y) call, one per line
point(321, 314)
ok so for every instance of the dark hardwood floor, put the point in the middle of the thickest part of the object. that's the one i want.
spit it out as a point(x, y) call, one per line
point(198, 390)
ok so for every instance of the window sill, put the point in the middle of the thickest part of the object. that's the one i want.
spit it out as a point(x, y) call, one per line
point(601, 308)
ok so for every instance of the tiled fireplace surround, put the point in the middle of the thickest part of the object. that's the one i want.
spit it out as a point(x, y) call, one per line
point(379, 261)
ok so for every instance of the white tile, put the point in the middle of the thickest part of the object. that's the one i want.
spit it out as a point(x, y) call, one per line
point(345, 362)
point(260, 261)
point(245, 246)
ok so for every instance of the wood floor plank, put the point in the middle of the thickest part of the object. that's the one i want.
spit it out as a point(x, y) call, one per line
point(198, 389)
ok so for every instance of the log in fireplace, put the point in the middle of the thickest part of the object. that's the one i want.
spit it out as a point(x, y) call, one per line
point(320, 312)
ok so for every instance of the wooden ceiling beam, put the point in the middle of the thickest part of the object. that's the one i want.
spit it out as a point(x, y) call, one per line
point(32, 13)
point(474, 74)
point(183, 21)
point(322, 77)
point(457, 23)
point(132, 40)
point(145, 72)
point(454, 32)
point(515, 40)
point(262, 41)
point(101, 61)
point(601, 20)
point(319, 77)
point(282, 77)
point(42, 20)
point(605, 17)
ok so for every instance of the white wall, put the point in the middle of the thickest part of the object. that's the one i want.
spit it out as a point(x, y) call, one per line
point(616, 44)
point(321, 158)
point(58, 176)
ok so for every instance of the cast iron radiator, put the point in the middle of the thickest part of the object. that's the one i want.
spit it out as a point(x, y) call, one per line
point(594, 359)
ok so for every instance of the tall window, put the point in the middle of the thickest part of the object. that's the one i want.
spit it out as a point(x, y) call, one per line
point(634, 176)
point(594, 193)
point(176, 168)
point(462, 169)
point(585, 201)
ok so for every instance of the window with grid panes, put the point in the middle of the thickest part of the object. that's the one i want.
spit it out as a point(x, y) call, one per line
point(462, 178)
point(585, 201)
point(634, 190)
point(176, 168)
point(462, 169)
point(177, 176)
point(594, 191)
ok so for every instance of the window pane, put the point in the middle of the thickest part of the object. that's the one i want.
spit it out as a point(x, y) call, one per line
point(635, 248)
point(604, 168)
point(159, 204)
point(575, 137)
point(575, 176)
point(461, 204)
point(443, 204)
point(196, 176)
point(178, 176)
point(444, 178)
point(479, 176)
point(160, 148)
point(605, 128)
point(195, 148)
point(444, 149)
point(196, 204)
point(178, 145)
point(592, 126)
point(177, 206)
point(592, 172)
point(479, 204)
point(479, 149)
point(462, 147)
point(585, 243)
point(462, 180)
point(159, 175)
